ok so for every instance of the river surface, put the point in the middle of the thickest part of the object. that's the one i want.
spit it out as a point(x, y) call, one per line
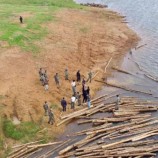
point(142, 17)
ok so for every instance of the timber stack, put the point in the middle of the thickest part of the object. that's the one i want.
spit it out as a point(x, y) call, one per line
point(128, 132)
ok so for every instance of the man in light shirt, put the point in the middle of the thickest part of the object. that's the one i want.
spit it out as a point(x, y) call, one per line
point(73, 99)
point(73, 84)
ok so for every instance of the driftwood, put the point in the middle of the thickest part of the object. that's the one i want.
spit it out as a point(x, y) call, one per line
point(140, 46)
point(127, 89)
point(120, 70)
point(107, 64)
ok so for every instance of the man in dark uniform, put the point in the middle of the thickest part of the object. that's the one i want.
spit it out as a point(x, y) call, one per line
point(63, 104)
point(45, 106)
point(21, 19)
point(51, 117)
point(78, 75)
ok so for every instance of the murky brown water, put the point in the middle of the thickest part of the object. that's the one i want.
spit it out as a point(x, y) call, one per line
point(142, 17)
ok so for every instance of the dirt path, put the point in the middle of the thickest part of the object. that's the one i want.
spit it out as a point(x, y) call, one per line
point(77, 40)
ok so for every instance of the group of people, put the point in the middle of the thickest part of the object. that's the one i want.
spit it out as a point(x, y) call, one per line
point(76, 96)
point(44, 78)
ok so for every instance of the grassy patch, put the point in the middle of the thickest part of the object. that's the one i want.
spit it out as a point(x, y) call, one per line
point(23, 131)
point(84, 29)
point(56, 3)
point(35, 14)
point(54, 106)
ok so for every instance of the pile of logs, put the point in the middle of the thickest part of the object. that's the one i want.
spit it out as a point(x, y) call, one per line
point(127, 133)
point(26, 150)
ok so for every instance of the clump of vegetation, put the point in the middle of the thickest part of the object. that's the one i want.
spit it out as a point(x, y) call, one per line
point(84, 29)
point(54, 106)
point(35, 13)
point(22, 131)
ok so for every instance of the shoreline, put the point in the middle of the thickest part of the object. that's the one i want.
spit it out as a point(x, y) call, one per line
point(98, 43)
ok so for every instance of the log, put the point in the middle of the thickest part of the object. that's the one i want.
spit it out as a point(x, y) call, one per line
point(123, 71)
point(140, 46)
point(108, 64)
point(43, 145)
point(17, 146)
point(127, 89)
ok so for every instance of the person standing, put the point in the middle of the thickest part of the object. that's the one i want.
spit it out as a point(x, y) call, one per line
point(88, 101)
point(89, 76)
point(63, 104)
point(66, 74)
point(73, 99)
point(40, 72)
point(45, 75)
point(88, 90)
point(78, 76)
point(46, 107)
point(46, 86)
point(21, 19)
point(84, 93)
point(56, 77)
point(73, 85)
point(83, 82)
point(78, 97)
point(51, 117)
point(117, 102)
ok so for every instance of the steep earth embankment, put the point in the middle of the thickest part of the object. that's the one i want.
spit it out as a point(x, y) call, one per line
point(77, 40)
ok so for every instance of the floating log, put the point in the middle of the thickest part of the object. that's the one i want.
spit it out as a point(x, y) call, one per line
point(140, 46)
point(127, 89)
point(120, 70)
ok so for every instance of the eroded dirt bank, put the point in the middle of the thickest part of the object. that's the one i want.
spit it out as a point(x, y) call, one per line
point(77, 40)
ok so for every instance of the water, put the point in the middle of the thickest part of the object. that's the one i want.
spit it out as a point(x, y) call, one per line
point(142, 17)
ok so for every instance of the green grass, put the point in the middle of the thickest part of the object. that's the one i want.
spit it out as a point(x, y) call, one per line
point(35, 14)
point(26, 130)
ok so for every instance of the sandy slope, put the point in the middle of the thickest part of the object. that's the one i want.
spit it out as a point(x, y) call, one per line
point(84, 40)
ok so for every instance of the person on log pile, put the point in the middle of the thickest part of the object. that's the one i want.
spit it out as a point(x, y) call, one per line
point(51, 117)
point(66, 74)
point(117, 102)
point(88, 101)
point(78, 97)
point(89, 76)
point(46, 107)
point(73, 85)
point(78, 76)
point(21, 19)
point(73, 100)
point(63, 104)
point(56, 77)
